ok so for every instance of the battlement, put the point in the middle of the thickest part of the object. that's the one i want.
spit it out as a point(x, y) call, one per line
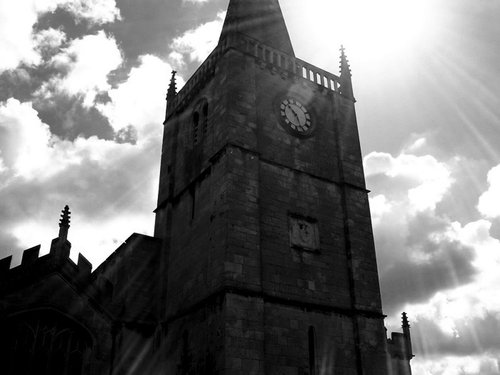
point(278, 61)
point(33, 265)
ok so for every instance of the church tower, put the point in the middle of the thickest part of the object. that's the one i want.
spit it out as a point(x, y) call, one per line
point(268, 262)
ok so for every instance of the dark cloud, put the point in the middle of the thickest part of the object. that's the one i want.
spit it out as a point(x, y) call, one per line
point(24, 81)
point(414, 282)
point(66, 21)
point(424, 266)
point(150, 25)
point(126, 135)
point(69, 118)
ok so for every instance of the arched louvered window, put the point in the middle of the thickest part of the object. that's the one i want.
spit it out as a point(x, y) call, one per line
point(196, 128)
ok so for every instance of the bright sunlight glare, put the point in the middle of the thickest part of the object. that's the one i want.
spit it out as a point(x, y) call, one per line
point(367, 28)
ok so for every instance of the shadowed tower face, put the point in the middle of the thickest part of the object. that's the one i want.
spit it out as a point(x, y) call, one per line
point(268, 262)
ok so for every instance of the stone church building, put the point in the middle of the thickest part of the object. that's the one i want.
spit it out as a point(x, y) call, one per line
point(262, 260)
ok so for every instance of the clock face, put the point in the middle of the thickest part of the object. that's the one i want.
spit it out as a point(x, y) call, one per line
point(295, 115)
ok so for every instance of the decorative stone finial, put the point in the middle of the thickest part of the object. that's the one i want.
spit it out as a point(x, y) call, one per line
point(64, 223)
point(407, 336)
point(406, 324)
point(345, 75)
point(171, 93)
point(172, 88)
point(344, 62)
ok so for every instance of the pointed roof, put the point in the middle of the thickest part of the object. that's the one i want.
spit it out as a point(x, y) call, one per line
point(259, 19)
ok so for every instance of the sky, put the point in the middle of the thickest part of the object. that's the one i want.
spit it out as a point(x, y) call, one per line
point(82, 100)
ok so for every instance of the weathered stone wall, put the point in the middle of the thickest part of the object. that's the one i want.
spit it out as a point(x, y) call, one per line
point(238, 203)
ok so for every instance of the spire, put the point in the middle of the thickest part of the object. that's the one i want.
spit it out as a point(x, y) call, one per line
point(259, 19)
point(345, 75)
point(64, 223)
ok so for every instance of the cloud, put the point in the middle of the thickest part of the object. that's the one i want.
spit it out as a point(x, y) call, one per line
point(489, 202)
point(484, 364)
point(430, 259)
point(109, 186)
point(139, 101)
point(16, 22)
point(427, 178)
point(24, 139)
point(442, 272)
point(17, 18)
point(84, 65)
point(49, 39)
point(419, 253)
point(196, 44)
point(94, 11)
point(463, 319)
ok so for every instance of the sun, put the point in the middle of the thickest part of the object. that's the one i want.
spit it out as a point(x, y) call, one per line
point(372, 28)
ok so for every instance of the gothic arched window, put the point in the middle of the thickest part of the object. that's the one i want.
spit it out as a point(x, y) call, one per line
point(43, 342)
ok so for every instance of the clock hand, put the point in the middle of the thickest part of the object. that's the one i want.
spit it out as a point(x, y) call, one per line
point(295, 114)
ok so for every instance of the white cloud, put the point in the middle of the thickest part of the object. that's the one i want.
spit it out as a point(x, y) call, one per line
point(489, 202)
point(88, 62)
point(17, 18)
point(195, 1)
point(486, 364)
point(417, 145)
point(25, 139)
point(140, 101)
point(427, 178)
point(16, 22)
point(95, 11)
point(108, 185)
point(196, 44)
point(379, 206)
point(49, 39)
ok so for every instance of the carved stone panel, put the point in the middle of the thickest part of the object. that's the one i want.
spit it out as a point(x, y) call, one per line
point(303, 233)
